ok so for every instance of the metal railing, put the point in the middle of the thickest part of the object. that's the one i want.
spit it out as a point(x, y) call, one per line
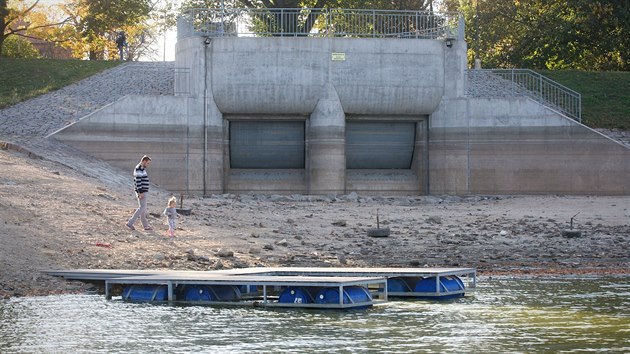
point(308, 22)
point(525, 82)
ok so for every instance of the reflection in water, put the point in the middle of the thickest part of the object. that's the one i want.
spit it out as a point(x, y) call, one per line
point(502, 315)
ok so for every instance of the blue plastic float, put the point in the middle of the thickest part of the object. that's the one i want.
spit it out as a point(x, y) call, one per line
point(144, 293)
point(211, 293)
point(351, 295)
point(398, 285)
point(294, 295)
point(448, 285)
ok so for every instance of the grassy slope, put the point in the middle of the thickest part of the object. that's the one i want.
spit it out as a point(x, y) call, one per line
point(605, 95)
point(21, 79)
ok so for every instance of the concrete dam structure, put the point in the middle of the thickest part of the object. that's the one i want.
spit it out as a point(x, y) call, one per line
point(314, 113)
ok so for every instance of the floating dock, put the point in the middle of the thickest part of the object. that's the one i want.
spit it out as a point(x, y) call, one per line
point(335, 288)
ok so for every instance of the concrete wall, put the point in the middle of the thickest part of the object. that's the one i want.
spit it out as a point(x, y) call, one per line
point(463, 145)
point(270, 78)
point(275, 77)
point(167, 128)
point(517, 146)
point(290, 75)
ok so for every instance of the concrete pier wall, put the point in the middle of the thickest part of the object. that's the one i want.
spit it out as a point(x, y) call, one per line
point(169, 129)
point(458, 144)
point(517, 146)
point(290, 75)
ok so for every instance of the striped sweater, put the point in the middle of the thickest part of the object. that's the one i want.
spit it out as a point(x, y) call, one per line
point(141, 179)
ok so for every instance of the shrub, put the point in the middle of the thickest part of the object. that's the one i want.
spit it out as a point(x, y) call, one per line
point(18, 47)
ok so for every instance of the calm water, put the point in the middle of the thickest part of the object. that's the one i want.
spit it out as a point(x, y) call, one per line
point(565, 315)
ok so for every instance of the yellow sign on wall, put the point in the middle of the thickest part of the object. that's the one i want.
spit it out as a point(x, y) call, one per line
point(339, 56)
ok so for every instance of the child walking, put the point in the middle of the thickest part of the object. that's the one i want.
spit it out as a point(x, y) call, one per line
point(171, 215)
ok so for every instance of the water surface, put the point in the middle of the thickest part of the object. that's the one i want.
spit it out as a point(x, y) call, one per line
point(567, 315)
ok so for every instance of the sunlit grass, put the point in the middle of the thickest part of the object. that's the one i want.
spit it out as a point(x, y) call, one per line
point(22, 79)
point(605, 96)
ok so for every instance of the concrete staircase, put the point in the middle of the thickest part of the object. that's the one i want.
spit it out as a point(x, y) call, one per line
point(525, 82)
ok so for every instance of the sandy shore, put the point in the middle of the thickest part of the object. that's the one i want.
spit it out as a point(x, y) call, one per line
point(56, 217)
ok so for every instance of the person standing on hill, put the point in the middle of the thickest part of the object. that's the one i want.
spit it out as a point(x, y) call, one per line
point(121, 43)
point(141, 182)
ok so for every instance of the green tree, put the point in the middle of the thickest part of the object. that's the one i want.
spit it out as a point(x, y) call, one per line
point(27, 20)
point(18, 47)
point(275, 22)
point(95, 23)
point(415, 5)
point(270, 21)
point(548, 34)
point(12, 20)
point(602, 38)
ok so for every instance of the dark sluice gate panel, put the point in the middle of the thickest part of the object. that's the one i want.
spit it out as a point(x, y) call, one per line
point(267, 145)
point(380, 145)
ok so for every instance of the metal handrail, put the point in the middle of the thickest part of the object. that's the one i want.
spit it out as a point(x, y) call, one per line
point(311, 22)
point(525, 82)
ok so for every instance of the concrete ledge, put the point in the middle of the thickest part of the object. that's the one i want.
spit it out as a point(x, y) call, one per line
point(384, 182)
point(266, 181)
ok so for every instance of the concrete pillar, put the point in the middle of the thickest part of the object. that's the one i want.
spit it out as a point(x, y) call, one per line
point(449, 148)
point(215, 143)
point(191, 55)
point(326, 146)
point(194, 151)
point(205, 123)
point(455, 67)
point(216, 146)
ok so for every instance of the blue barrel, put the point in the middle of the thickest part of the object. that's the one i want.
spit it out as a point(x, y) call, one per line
point(293, 295)
point(351, 295)
point(210, 293)
point(198, 293)
point(447, 284)
point(397, 285)
point(145, 292)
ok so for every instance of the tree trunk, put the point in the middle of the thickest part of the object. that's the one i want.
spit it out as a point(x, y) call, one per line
point(3, 36)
